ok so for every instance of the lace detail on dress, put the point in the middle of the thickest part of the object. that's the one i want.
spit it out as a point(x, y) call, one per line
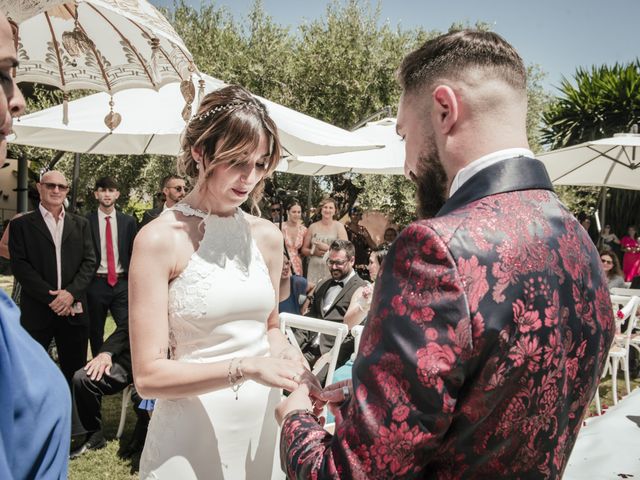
point(227, 245)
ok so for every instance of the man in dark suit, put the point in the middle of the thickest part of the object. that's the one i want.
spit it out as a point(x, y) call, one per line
point(113, 244)
point(330, 301)
point(174, 189)
point(53, 259)
point(491, 321)
point(108, 373)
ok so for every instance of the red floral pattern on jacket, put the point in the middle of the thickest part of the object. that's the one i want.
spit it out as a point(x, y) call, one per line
point(488, 329)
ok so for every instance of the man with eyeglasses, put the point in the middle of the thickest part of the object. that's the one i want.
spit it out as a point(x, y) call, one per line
point(174, 189)
point(330, 301)
point(276, 212)
point(52, 257)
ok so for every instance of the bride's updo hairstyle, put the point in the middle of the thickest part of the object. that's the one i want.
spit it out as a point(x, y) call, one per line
point(227, 129)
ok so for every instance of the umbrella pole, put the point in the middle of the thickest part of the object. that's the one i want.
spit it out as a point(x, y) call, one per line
point(604, 207)
point(75, 181)
point(23, 184)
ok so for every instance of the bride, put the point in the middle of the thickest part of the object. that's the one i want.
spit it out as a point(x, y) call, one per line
point(203, 316)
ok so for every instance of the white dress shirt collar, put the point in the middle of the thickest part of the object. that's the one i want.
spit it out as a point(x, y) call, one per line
point(483, 162)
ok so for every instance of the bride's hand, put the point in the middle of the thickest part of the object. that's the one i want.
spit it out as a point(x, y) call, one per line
point(274, 372)
point(292, 353)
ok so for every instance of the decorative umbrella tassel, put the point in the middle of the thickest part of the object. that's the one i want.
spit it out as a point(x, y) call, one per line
point(155, 61)
point(200, 94)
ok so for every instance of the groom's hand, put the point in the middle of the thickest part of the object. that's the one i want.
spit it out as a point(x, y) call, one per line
point(298, 400)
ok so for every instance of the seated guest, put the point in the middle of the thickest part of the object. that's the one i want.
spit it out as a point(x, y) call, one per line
point(390, 234)
point(293, 289)
point(107, 373)
point(330, 301)
point(611, 266)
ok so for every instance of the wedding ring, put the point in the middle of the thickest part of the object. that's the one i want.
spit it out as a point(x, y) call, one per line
point(345, 391)
point(296, 378)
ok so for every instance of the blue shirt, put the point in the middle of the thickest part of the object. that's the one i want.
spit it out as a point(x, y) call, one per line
point(35, 405)
point(298, 287)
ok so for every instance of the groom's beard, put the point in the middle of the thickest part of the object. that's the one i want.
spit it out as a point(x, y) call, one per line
point(431, 184)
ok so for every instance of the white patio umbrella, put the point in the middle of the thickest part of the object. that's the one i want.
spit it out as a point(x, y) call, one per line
point(387, 160)
point(609, 162)
point(152, 123)
point(103, 45)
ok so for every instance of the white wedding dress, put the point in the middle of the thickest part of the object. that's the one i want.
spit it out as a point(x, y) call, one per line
point(218, 308)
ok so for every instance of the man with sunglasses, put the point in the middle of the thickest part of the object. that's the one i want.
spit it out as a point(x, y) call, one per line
point(330, 301)
point(52, 257)
point(276, 212)
point(174, 189)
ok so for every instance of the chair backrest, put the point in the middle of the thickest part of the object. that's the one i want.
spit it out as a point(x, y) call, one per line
point(625, 292)
point(617, 300)
point(356, 333)
point(629, 316)
point(324, 327)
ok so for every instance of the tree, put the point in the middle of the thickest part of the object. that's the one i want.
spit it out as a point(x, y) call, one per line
point(600, 102)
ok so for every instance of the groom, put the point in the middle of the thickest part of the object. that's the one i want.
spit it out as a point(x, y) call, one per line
point(490, 322)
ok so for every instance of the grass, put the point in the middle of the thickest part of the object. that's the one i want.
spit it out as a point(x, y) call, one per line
point(106, 464)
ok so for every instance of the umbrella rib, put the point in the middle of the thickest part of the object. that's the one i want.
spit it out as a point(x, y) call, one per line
point(57, 49)
point(124, 39)
point(144, 151)
point(93, 48)
point(166, 56)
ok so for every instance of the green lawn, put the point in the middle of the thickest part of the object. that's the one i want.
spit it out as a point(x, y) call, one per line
point(106, 464)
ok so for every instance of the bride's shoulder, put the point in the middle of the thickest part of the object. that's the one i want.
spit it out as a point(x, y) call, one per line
point(164, 230)
point(264, 230)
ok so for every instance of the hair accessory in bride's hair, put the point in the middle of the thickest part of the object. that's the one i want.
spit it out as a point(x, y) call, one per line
point(226, 106)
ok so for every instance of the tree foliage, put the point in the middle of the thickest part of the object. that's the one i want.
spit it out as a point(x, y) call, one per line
point(600, 102)
point(339, 68)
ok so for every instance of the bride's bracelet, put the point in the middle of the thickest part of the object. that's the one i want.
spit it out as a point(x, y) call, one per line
point(236, 380)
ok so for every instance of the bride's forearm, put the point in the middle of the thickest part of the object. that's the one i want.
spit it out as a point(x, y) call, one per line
point(277, 341)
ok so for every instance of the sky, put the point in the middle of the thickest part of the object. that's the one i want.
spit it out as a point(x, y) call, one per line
point(557, 35)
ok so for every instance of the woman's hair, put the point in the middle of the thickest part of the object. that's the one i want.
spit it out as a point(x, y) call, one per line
point(227, 128)
point(616, 270)
point(292, 203)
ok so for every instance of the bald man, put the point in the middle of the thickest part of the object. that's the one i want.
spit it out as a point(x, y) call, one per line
point(53, 259)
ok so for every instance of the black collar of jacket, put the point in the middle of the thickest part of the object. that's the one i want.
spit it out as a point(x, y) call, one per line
point(511, 175)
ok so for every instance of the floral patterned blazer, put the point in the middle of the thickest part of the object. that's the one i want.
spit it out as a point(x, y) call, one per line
point(489, 328)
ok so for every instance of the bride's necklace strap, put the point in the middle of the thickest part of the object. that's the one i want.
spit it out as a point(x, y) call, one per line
point(190, 211)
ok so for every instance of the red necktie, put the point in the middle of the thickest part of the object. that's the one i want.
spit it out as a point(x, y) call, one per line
point(112, 278)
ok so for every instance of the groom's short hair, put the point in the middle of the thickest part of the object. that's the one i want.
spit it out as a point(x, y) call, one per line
point(452, 54)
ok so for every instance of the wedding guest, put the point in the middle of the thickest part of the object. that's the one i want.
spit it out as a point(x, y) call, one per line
point(611, 267)
point(491, 319)
point(317, 239)
point(275, 210)
point(204, 283)
point(330, 301)
point(631, 248)
point(174, 188)
point(362, 241)
point(609, 240)
point(35, 417)
point(4, 253)
point(293, 290)
point(52, 257)
point(294, 230)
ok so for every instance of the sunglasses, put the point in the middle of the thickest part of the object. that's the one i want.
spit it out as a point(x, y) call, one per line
point(606, 261)
point(53, 186)
point(179, 188)
point(276, 209)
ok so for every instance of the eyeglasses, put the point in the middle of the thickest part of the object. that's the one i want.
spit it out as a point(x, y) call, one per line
point(53, 186)
point(179, 188)
point(606, 261)
point(337, 263)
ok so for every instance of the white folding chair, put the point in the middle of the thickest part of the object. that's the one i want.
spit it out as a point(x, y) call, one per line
point(625, 292)
point(356, 333)
point(619, 352)
point(324, 327)
point(126, 398)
